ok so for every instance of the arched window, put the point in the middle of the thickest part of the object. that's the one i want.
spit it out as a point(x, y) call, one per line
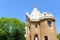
point(36, 37)
point(36, 26)
point(49, 23)
point(45, 37)
point(28, 29)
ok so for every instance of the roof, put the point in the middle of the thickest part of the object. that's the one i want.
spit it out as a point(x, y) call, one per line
point(36, 15)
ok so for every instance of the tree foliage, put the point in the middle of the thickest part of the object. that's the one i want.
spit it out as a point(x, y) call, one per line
point(11, 29)
point(59, 36)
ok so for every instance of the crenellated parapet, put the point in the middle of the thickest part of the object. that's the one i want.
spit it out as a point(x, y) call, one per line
point(36, 15)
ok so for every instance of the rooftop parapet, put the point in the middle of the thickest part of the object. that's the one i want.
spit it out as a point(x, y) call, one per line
point(37, 15)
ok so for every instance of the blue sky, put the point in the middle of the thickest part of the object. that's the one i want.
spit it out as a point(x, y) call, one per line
point(18, 8)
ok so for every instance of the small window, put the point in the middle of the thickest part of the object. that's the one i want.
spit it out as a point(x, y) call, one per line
point(49, 23)
point(46, 37)
point(36, 26)
point(28, 29)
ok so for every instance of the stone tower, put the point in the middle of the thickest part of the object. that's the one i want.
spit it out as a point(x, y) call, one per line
point(40, 26)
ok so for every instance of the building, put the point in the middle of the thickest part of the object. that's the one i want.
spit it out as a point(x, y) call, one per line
point(40, 26)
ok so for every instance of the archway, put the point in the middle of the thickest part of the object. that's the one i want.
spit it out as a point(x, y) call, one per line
point(36, 37)
point(46, 37)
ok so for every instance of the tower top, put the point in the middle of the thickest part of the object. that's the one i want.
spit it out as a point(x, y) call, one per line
point(36, 15)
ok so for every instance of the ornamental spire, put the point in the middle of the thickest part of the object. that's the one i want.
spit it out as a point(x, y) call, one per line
point(35, 7)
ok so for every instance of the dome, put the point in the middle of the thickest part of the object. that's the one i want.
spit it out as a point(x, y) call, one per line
point(35, 14)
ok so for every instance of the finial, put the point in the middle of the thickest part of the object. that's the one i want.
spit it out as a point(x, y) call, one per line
point(35, 7)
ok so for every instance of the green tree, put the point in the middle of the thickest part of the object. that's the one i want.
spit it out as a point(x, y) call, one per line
point(11, 29)
point(59, 36)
